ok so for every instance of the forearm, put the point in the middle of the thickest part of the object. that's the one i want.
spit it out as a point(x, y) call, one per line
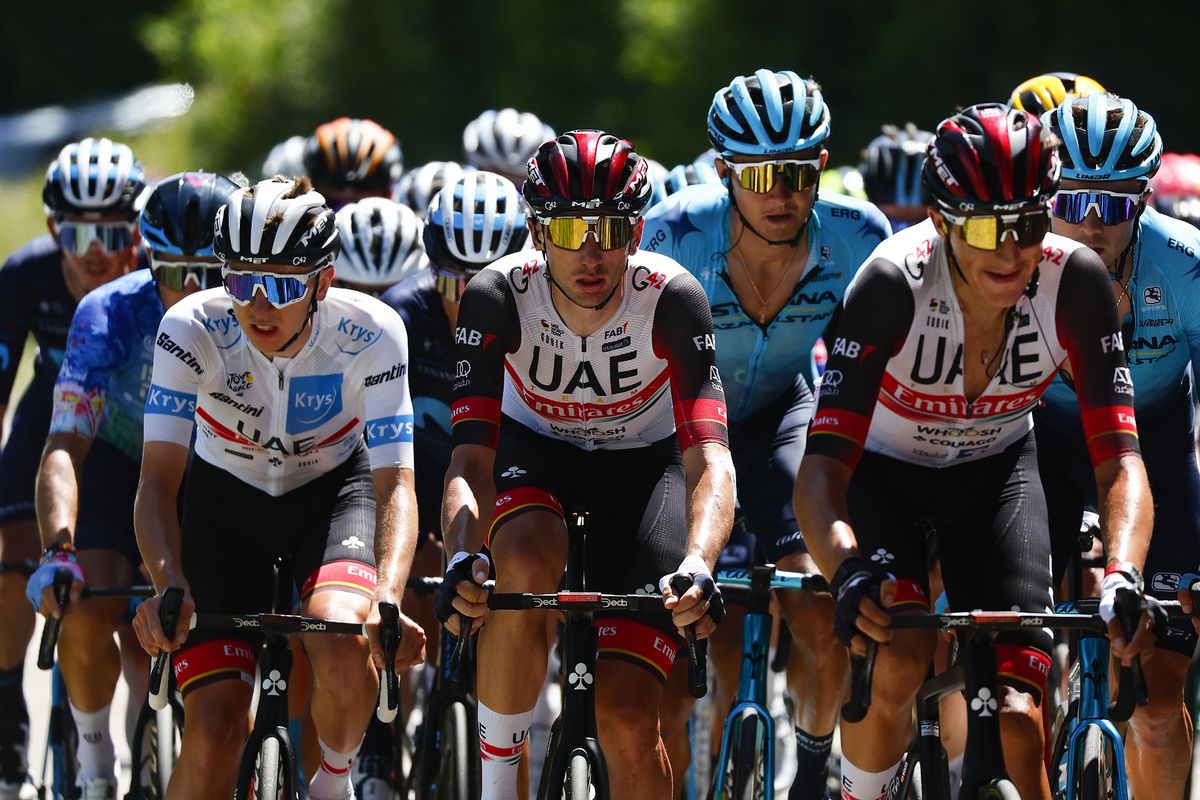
point(819, 500)
point(467, 506)
point(156, 523)
point(395, 533)
point(710, 493)
point(57, 497)
point(1126, 509)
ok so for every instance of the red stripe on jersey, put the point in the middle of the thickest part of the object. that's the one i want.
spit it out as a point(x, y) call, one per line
point(221, 430)
point(1103, 428)
point(1026, 664)
point(220, 658)
point(349, 426)
point(519, 499)
point(637, 641)
point(475, 409)
point(842, 423)
point(701, 420)
point(352, 575)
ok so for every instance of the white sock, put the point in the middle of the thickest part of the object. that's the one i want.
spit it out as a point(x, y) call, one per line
point(502, 741)
point(332, 781)
point(859, 784)
point(955, 768)
point(97, 758)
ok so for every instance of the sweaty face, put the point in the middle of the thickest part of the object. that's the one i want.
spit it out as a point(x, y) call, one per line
point(97, 266)
point(997, 277)
point(780, 213)
point(587, 276)
point(1106, 241)
point(268, 328)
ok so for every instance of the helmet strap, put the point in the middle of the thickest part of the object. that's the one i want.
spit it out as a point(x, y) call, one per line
point(312, 309)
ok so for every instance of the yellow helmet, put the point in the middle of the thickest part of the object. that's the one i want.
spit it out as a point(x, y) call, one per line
point(1045, 92)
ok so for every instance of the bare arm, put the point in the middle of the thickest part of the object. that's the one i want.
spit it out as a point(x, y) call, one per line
point(819, 500)
point(156, 515)
point(469, 499)
point(57, 495)
point(395, 529)
point(710, 498)
point(1126, 509)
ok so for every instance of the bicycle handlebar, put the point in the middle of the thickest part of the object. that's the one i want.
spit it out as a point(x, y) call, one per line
point(803, 581)
point(168, 616)
point(50, 631)
point(697, 650)
point(389, 685)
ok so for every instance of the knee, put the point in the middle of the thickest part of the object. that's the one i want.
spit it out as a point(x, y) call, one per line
point(627, 725)
point(214, 734)
point(1158, 721)
point(92, 621)
point(337, 661)
point(900, 669)
point(525, 562)
point(1020, 723)
point(810, 621)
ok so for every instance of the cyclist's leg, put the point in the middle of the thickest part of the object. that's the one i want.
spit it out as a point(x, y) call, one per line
point(332, 524)
point(881, 499)
point(89, 658)
point(19, 541)
point(995, 555)
point(528, 544)
point(1158, 743)
point(213, 738)
point(626, 700)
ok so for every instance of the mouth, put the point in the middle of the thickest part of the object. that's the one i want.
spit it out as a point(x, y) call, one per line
point(264, 331)
point(1004, 278)
point(589, 284)
point(780, 217)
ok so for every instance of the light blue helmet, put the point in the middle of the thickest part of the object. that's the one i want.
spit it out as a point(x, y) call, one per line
point(1105, 138)
point(689, 175)
point(767, 113)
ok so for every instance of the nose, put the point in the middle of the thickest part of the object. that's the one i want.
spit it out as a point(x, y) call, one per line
point(260, 305)
point(1008, 253)
point(1092, 223)
point(589, 253)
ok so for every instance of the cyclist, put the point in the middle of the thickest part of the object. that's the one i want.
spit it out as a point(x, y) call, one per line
point(282, 376)
point(91, 197)
point(1111, 150)
point(1177, 187)
point(947, 339)
point(349, 159)
point(418, 186)
point(286, 158)
point(1043, 93)
point(89, 469)
point(682, 175)
point(503, 141)
point(891, 174)
point(773, 260)
point(381, 245)
point(592, 354)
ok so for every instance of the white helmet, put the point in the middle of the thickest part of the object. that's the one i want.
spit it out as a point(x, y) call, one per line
point(504, 141)
point(474, 221)
point(285, 158)
point(417, 187)
point(381, 243)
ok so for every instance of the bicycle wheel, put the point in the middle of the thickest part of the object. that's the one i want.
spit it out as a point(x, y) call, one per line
point(154, 749)
point(1096, 773)
point(454, 766)
point(749, 769)
point(1001, 789)
point(579, 777)
point(63, 738)
point(272, 779)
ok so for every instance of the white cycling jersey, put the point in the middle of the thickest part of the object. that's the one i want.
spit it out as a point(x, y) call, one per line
point(277, 426)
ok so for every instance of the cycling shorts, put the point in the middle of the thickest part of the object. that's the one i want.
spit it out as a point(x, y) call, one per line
point(635, 500)
point(233, 531)
point(22, 454)
point(767, 449)
point(990, 521)
point(107, 489)
point(1166, 437)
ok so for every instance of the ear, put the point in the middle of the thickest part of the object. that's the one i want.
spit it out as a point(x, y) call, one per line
point(939, 221)
point(324, 281)
point(535, 234)
point(52, 227)
point(824, 158)
point(635, 239)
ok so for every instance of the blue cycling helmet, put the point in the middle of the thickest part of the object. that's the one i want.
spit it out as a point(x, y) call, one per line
point(179, 213)
point(767, 113)
point(474, 221)
point(1105, 138)
point(892, 165)
point(94, 178)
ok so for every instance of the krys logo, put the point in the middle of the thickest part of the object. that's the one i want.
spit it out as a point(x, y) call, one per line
point(313, 401)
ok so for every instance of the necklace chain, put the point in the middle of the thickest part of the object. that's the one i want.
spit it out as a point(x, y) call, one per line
point(754, 286)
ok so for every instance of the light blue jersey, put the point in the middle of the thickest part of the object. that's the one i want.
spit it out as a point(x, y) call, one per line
point(101, 388)
point(758, 363)
point(1162, 335)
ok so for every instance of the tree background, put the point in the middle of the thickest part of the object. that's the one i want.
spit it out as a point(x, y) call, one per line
point(646, 69)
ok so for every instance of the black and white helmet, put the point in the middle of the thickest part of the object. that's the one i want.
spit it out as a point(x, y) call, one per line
point(474, 221)
point(417, 187)
point(285, 158)
point(277, 221)
point(381, 243)
point(94, 177)
point(504, 141)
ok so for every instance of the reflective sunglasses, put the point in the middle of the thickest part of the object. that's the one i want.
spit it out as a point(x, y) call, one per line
point(450, 285)
point(760, 177)
point(1113, 208)
point(569, 233)
point(176, 275)
point(987, 231)
point(280, 290)
point(77, 237)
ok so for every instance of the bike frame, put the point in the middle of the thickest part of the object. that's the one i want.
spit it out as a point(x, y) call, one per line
point(1093, 712)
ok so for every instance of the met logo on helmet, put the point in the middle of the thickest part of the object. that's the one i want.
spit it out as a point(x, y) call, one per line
point(313, 401)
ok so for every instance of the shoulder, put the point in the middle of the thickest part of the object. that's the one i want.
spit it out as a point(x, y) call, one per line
point(698, 211)
point(904, 256)
point(206, 316)
point(357, 315)
point(35, 254)
point(852, 218)
point(1172, 245)
point(510, 274)
point(656, 269)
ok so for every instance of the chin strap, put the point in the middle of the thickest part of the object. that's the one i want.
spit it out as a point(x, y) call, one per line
point(312, 309)
point(795, 240)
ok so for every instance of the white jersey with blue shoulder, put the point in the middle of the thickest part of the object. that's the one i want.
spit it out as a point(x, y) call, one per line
point(759, 363)
point(278, 425)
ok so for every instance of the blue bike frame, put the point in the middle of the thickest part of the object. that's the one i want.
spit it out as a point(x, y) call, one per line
point(1093, 712)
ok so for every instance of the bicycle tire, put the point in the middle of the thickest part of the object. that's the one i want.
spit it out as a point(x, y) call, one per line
point(1095, 775)
point(271, 781)
point(152, 755)
point(999, 789)
point(748, 783)
point(454, 768)
point(579, 777)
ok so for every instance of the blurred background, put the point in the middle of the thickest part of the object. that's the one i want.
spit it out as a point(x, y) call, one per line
point(216, 83)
